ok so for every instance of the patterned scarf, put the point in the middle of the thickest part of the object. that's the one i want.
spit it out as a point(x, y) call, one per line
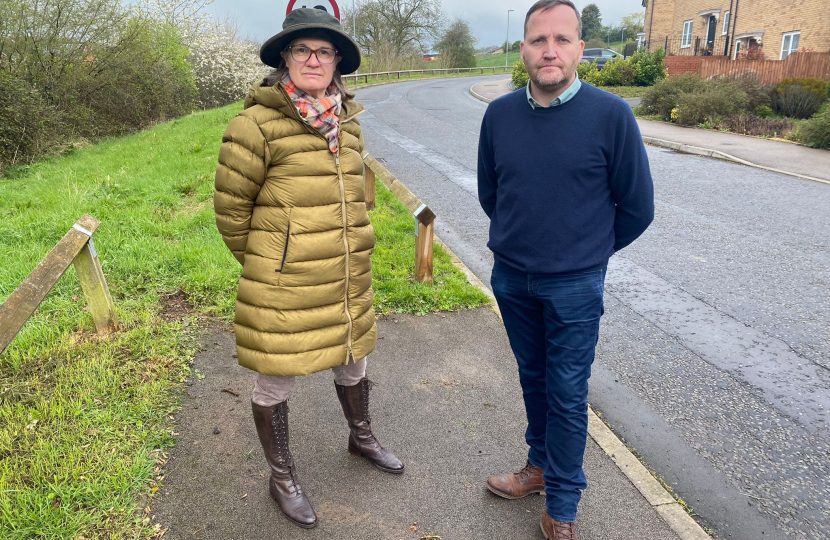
point(321, 114)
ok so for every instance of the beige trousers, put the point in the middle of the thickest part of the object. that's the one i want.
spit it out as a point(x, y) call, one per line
point(270, 390)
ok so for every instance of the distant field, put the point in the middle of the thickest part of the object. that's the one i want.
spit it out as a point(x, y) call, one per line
point(489, 60)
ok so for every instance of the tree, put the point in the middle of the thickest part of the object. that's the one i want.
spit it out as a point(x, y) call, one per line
point(633, 23)
point(457, 46)
point(389, 31)
point(591, 21)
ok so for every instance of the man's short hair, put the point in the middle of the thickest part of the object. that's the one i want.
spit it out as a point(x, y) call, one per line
point(544, 5)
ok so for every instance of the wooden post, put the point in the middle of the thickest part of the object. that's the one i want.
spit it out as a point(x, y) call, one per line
point(424, 218)
point(19, 307)
point(369, 179)
point(95, 289)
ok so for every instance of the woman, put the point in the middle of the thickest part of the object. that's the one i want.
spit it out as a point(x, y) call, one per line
point(290, 205)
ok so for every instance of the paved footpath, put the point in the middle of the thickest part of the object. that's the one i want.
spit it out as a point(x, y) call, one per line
point(776, 155)
point(447, 401)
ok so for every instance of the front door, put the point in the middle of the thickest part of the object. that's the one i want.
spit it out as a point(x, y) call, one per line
point(710, 34)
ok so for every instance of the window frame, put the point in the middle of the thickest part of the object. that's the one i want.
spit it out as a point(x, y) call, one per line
point(791, 35)
point(691, 26)
point(725, 28)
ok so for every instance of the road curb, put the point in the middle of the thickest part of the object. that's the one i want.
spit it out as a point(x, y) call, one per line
point(717, 154)
point(697, 151)
point(653, 491)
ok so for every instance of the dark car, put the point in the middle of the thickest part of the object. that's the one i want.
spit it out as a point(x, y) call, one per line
point(600, 55)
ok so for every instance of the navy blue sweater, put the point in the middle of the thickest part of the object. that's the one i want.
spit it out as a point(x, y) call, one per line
point(565, 187)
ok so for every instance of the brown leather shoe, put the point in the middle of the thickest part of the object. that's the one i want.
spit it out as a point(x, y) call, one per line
point(517, 485)
point(272, 428)
point(557, 530)
point(355, 402)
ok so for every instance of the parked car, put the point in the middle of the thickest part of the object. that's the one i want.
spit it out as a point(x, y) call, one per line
point(600, 55)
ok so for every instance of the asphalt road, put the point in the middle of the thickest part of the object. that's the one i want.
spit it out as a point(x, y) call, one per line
point(714, 357)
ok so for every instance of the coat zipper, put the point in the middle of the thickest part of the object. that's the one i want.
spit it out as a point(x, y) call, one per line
point(348, 251)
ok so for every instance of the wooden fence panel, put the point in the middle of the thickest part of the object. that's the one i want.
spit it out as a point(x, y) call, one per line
point(798, 65)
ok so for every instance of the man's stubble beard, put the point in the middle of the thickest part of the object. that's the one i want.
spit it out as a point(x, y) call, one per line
point(552, 84)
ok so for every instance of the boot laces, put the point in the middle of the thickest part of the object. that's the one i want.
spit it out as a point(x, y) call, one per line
point(564, 531)
point(280, 431)
point(525, 472)
point(365, 395)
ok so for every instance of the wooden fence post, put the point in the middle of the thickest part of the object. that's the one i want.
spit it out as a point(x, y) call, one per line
point(95, 287)
point(424, 219)
point(369, 180)
point(76, 246)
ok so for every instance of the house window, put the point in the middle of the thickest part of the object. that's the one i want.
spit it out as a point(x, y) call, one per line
point(687, 34)
point(725, 23)
point(790, 44)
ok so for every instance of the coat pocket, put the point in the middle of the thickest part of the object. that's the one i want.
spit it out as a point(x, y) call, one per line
point(284, 250)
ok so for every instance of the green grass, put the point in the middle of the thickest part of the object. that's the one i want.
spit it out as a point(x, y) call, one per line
point(84, 421)
point(489, 60)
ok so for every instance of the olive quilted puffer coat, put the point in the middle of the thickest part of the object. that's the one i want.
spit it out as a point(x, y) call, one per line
point(294, 215)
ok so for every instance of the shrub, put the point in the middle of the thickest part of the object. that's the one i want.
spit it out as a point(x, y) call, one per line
point(648, 67)
point(750, 124)
point(800, 98)
point(798, 102)
point(616, 72)
point(595, 43)
point(661, 98)
point(224, 67)
point(714, 101)
point(759, 94)
point(26, 121)
point(519, 75)
point(815, 132)
point(762, 111)
point(588, 72)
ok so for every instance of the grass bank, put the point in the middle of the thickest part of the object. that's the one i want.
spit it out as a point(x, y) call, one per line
point(85, 421)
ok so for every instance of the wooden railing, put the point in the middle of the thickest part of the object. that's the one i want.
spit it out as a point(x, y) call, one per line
point(76, 248)
point(356, 77)
point(424, 217)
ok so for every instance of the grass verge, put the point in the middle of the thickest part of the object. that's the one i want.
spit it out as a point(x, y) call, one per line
point(85, 421)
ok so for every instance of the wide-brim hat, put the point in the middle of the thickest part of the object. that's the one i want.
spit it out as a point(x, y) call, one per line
point(313, 22)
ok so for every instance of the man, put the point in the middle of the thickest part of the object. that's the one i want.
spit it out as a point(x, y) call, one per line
point(564, 177)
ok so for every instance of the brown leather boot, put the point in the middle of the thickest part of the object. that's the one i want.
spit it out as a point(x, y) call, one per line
point(517, 485)
point(557, 530)
point(272, 428)
point(355, 403)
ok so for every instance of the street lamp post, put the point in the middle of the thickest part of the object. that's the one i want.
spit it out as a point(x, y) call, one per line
point(507, 39)
point(354, 28)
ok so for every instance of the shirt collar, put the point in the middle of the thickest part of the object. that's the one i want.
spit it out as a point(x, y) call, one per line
point(563, 97)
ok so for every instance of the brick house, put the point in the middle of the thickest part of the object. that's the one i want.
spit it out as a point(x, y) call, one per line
point(733, 28)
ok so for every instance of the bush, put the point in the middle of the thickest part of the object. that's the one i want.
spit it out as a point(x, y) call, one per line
point(817, 86)
point(648, 67)
point(815, 132)
point(661, 98)
point(712, 103)
point(762, 111)
point(759, 94)
point(798, 102)
point(750, 124)
point(588, 72)
point(519, 74)
point(224, 67)
point(616, 72)
point(595, 43)
point(27, 122)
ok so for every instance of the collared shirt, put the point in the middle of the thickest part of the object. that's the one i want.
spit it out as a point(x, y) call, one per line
point(563, 97)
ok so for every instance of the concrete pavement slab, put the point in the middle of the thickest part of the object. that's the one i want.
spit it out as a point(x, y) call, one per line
point(447, 401)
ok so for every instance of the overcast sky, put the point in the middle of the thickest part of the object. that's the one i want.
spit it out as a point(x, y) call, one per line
point(260, 19)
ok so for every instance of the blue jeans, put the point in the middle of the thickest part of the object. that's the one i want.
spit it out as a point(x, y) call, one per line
point(552, 321)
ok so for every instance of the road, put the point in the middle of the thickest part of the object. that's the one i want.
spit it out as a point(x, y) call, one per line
point(714, 356)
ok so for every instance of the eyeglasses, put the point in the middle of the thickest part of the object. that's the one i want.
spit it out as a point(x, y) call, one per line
point(301, 53)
